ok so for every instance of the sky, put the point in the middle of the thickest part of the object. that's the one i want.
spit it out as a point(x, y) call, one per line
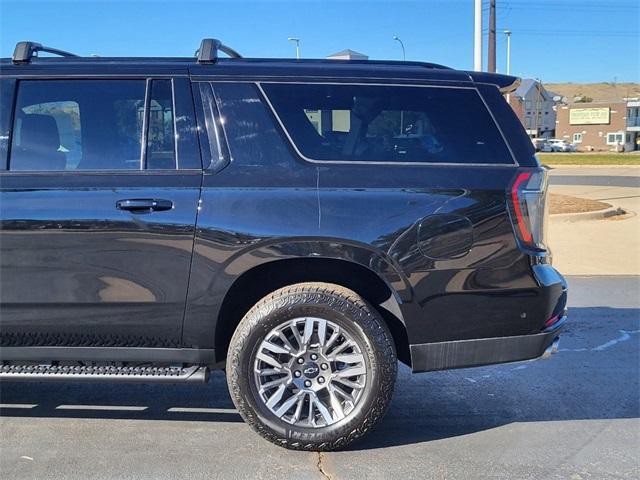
point(554, 40)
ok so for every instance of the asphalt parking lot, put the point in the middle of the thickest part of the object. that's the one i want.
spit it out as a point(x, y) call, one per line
point(574, 416)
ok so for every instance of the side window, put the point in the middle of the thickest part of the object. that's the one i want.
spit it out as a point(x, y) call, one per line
point(66, 116)
point(161, 129)
point(388, 123)
point(91, 125)
point(249, 126)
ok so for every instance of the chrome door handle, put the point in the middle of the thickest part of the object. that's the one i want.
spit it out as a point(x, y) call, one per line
point(144, 205)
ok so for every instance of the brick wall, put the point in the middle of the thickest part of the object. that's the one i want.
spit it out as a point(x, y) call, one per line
point(594, 137)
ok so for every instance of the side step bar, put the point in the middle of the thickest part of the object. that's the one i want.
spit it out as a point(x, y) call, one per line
point(40, 373)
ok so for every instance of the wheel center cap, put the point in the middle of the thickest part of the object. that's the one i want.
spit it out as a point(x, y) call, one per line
point(310, 370)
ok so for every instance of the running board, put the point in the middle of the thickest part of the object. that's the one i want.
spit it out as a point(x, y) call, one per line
point(66, 373)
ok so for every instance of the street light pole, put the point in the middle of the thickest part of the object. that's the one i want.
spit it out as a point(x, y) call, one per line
point(508, 34)
point(397, 39)
point(477, 36)
point(404, 58)
point(297, 41)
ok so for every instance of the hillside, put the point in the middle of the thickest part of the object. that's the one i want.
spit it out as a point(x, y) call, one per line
point(600, 92)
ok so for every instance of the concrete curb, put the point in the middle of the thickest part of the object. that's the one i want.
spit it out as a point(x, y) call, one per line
point(594, 215)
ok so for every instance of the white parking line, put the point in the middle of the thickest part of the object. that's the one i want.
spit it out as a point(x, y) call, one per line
point(201, 410)
point(102, 407)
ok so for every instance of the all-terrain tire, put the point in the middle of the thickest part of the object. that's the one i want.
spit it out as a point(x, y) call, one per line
point(347, 310)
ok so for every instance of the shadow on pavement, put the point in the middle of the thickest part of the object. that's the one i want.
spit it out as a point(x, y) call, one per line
point(594, 376)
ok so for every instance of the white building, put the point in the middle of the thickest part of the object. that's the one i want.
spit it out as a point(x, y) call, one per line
point(348, 54)
point(633, 125)
point(533, 105)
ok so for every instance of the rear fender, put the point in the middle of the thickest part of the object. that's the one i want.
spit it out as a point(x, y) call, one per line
point(210, 282)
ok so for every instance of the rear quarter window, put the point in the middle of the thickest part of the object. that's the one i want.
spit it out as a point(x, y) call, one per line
point(397, 124)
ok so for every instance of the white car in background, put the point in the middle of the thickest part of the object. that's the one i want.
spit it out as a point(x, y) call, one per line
point(541, 145)
point(558, 145)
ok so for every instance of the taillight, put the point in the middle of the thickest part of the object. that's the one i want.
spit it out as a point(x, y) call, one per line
point(528, 205)
point(552, 321)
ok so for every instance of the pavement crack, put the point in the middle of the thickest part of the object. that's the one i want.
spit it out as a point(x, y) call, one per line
point(320, 466)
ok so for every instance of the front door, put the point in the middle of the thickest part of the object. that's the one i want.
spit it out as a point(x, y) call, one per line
point(98, 208)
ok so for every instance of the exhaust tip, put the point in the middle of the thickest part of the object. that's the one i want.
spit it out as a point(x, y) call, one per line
point(551, 349)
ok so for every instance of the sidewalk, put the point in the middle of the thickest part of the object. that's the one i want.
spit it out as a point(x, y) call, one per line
point(597, 170)
point(598, 247)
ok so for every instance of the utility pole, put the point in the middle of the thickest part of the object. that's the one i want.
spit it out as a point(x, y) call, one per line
point(297, 42)
point(491, 64)
point(538, 84)
point(477, 37)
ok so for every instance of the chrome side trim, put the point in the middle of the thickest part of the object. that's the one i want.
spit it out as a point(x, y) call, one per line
point(93, 76)
point(145, 124)
point(110, 173)
point(175, 125)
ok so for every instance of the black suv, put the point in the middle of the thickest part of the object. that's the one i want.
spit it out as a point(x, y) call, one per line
point(301, 223)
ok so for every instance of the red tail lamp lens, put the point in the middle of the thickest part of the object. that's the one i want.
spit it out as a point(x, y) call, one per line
point(528, 205)
point(551, 321)
point(521, 222)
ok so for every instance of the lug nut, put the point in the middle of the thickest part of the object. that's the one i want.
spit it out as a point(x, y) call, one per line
point(301, 360)
point(314, 356)
point(307, 383)
point(324, 366)
point(320, 379)
point(297, 373)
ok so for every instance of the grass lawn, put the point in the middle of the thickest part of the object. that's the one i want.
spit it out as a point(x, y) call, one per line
point(589, 158)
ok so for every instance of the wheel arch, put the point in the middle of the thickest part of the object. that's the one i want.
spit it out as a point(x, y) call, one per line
point(257, 282)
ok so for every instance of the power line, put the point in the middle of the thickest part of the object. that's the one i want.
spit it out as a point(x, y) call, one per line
point(578, 33)
point(575, 8)
point(567, 8)
point(571, 4)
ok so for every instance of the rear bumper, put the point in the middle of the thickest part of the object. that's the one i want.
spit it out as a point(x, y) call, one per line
point(485, 351)
point(427, 357)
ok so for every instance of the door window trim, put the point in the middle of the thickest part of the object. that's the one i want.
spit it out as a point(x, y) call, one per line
point(8, 95)
point(145, 124)
point(216, 149)
point(265, 98)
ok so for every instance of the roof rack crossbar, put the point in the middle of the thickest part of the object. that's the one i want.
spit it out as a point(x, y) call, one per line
point(25, 51)
point(208, 51)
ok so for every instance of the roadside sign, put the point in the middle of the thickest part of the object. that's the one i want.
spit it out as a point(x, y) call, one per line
point(589, 116)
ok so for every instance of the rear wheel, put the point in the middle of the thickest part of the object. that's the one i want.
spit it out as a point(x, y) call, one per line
point(312, 367)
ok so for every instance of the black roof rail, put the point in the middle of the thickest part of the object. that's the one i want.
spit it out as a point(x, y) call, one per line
point(25, 51)
point(208, 51)
point(399, 63)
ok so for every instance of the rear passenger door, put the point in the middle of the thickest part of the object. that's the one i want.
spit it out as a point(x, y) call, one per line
point(98, 203)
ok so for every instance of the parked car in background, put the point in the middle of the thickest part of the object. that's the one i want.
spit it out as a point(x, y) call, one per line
point(559, 145)
point(303, 224)
point(541, 145)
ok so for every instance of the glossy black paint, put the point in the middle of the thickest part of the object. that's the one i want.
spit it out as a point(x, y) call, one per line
point(492, 284)
point(77, 271)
